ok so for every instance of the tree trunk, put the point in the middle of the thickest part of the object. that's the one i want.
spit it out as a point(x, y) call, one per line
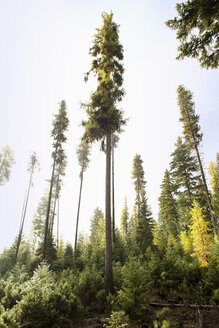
point(206, 191)
point(48, 209)
point(113, 196)
point(108, 244)
point(79, 203)
point(54, 207)
point(58, 224)
point(23, 218)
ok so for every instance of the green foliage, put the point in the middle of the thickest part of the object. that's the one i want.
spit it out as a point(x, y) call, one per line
point(188, 117)
point(138, 176)
point(43, 300)
point(133, 297)
point(118, 319)
point(214, 172)
point(83, 153)
point(51, 251)
point(68, 256)
point(12, 287)
point(6, 162)
point(163, 323)
point(144, 236)
point(97, 226)
point(124, 220)
point(200, 235)
point(103, 115)
point(168, 216)
point(197, 30)
point(90, 287)
point(185, 177)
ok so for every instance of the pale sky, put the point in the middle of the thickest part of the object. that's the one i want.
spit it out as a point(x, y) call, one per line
point(44, 55)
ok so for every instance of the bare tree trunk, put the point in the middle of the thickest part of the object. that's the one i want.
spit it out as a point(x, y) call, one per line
point(113, 196)
point(48, 209)
point(108, 244)
point(79, 203)
point(23, 218)
point(53, 215)
point(54, 207)
point(58, 224)
point(206, 191)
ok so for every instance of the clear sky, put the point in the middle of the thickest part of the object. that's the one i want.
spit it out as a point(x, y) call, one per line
point(44, 55)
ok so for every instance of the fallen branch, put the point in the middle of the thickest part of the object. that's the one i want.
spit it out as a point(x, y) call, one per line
point(195, 306)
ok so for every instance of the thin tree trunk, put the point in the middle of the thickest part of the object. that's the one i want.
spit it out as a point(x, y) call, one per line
point(23, 218)
point(53, 214)
point(58, 224)
point(108, 244)
point(206, 191)
point(79, 203)
point(113, 196)
point(48, 209)
point(54, 207)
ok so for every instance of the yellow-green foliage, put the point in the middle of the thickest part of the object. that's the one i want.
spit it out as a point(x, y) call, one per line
point(186, 242)
point(171, 240)
point(212, 172)
point(200, 235)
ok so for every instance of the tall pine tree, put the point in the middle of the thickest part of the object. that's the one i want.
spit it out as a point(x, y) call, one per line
point(193, 136)
point(104, 118)
point(185, 176)
point(60, 125)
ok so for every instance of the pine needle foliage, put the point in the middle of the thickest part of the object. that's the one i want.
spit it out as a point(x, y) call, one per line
point(197, 30)
point(200, 235)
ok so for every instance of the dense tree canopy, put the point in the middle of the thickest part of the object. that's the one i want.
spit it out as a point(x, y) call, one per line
point(104, 118)
point(198, 31)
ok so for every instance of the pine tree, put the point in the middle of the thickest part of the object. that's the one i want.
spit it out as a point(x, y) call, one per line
point(186, 242)
point(60, 253)
point(104, 118)
point(97, 217)
point(83, 152)
point(68, 256)
point(60, 125)
point(144, 236)
point(168, 217)
point(197, 31)
point(193, 136)
point(51, 250)
point(200, 235)
point(124, 220)
point(6, 162)
point(39, 218)
point(33, 165)
point(138, 177)
point(185, 178)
